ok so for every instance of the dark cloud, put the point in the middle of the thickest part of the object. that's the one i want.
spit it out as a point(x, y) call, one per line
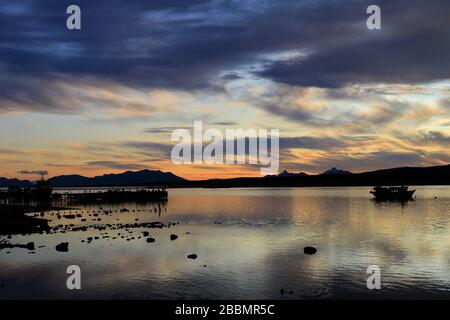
point(231, 76)
point(318, 143)
point(160, 130)
point(141, 43)
point(56, 165)
point(185, 44)
point(40, 172)
point(149, 146)
point(225, 123)
point(19, 93)
point(410, 48)
point(364, 161)
point(162, 151)
point(152, 151)
point(116, 165)
point(289, 111)
point(436, 137)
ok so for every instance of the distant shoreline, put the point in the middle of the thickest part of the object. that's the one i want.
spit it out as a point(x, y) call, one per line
point(426, 176)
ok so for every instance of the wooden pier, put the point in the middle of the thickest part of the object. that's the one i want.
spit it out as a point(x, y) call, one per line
point(115, 195)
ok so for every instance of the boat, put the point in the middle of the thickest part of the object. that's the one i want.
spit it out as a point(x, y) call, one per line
point(401, 193)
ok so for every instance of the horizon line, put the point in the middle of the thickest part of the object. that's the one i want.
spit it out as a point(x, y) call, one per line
point(236, 177)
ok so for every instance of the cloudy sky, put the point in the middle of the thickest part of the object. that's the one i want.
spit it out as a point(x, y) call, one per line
point(106, 98)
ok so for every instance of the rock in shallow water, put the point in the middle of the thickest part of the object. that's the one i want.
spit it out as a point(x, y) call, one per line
point(62, 247)
point(173, 237)
point(149, 240)
point(309, 250)
point(192, 256)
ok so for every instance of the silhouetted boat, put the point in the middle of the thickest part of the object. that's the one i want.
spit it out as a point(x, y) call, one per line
point(392, 193)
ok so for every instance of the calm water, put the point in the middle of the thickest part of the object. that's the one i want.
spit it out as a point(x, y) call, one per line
point(249, 244)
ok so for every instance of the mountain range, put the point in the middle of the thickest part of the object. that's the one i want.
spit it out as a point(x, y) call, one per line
point(334, 171)
point(436, 175)
point(143, 177)
point(5, 182)
point(285, 173)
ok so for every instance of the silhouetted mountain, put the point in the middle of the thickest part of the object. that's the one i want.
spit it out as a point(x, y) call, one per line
point(5, 182)
point(143, 177)
point(438, 175)
point(286, 173)
point(334, 171)
point(73, 180)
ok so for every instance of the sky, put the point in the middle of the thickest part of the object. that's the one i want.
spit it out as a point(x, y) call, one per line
point(106, 98)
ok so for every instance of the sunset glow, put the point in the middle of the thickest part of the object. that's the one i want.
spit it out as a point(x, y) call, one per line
point(358, 99)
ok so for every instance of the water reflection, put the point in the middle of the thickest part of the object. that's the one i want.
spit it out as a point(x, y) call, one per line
point(249, 244)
